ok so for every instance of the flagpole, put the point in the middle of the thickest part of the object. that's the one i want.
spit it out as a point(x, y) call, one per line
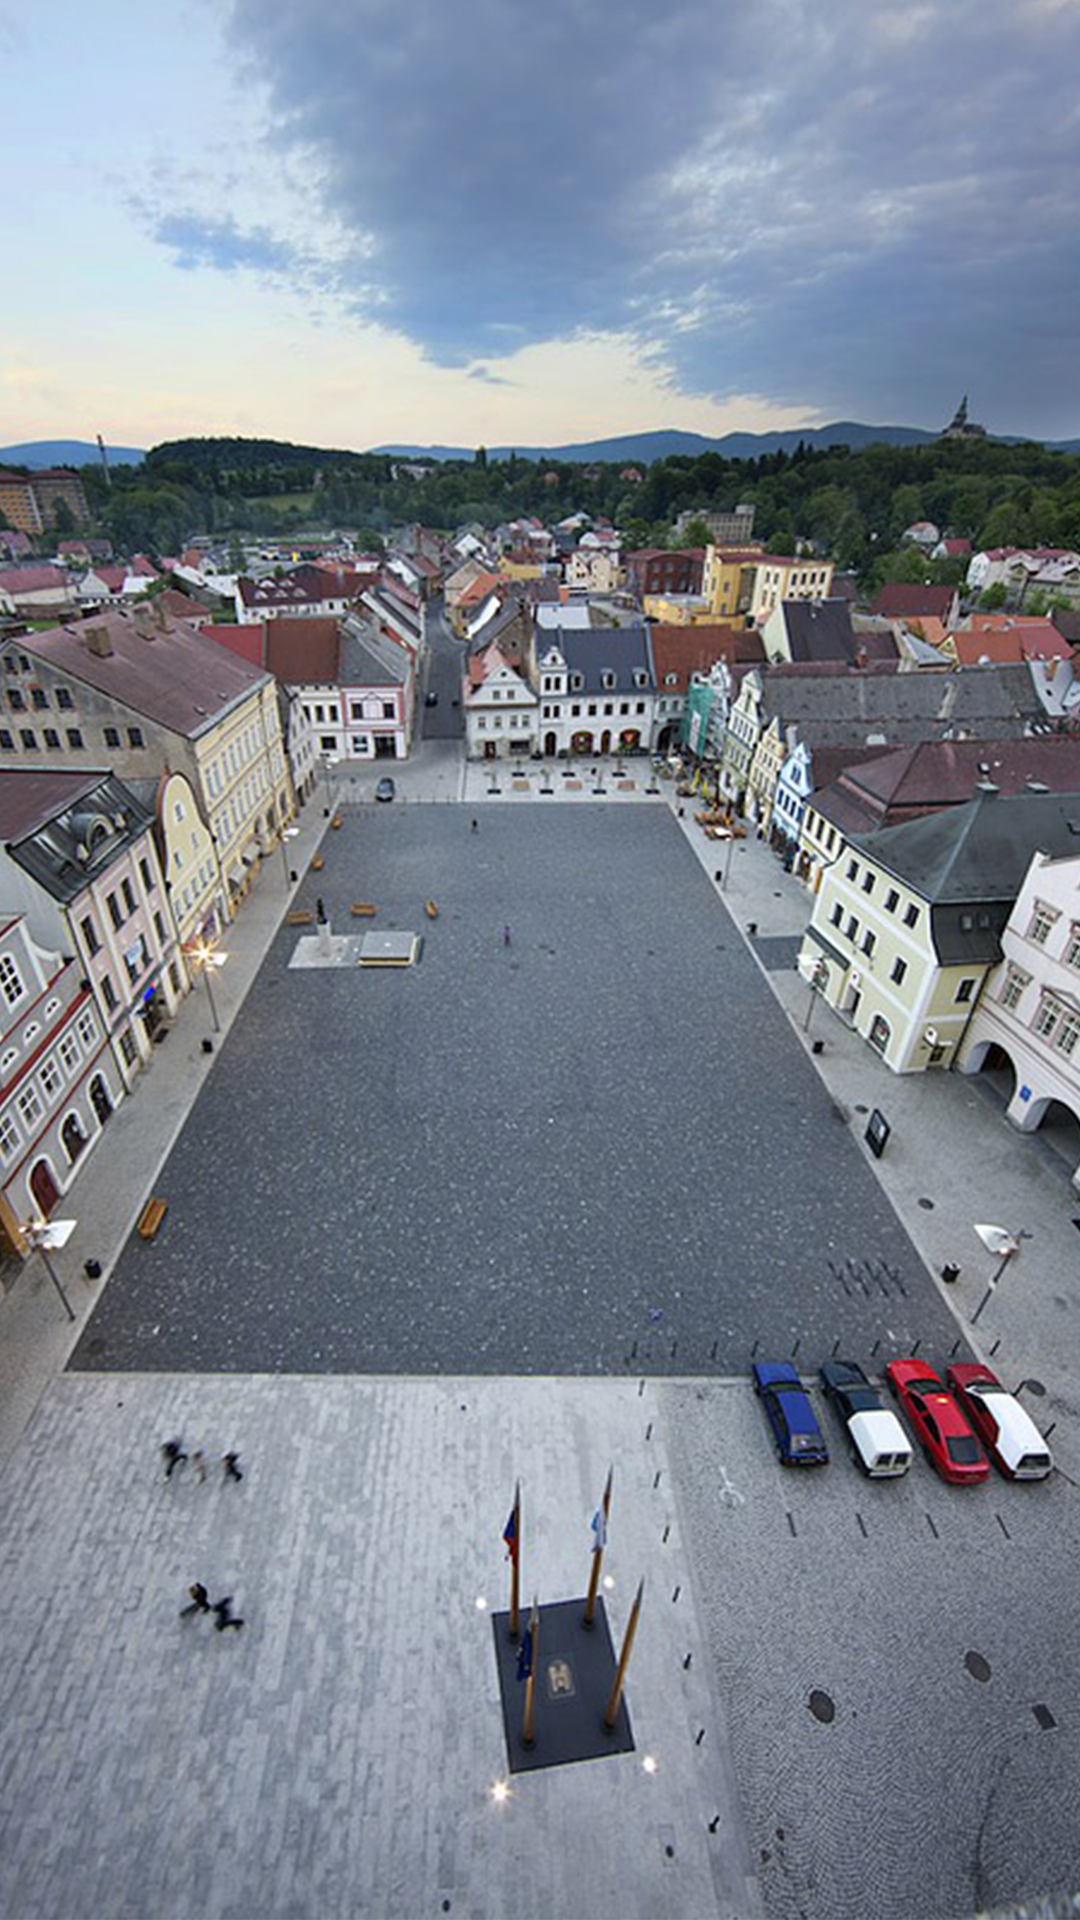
point(598, 1553)
point(616, 1691)
point(515, 1560)
point(527, 1734)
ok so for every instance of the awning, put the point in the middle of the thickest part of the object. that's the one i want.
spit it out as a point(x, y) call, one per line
point(844, 960)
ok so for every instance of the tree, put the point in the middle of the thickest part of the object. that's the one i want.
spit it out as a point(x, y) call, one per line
point(62, 518)
point(236, 562)
point(481, 457)
point(696, 534)
point(992, 599)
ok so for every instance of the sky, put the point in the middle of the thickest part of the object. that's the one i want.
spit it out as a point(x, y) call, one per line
point(353, 222)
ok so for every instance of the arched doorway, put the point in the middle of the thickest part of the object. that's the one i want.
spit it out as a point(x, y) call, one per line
point(1059, 1131)
point(581, 743)
point(550, 745)
point(73, 1137)
point(995, 1070)
point(99, 1098)
point(44, 1188)
point(630, 737)
point(605, 740)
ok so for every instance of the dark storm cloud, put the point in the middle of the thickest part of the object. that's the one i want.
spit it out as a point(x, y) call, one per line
point(854, 207)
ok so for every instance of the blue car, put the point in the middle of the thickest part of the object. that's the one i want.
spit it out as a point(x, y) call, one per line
point(799, 1440)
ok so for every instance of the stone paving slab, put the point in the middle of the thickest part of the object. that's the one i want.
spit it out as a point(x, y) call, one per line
point(336, 1756)
point(599, 1149)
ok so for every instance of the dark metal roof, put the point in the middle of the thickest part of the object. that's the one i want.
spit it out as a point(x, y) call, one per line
point(80, 835)
point(979, 852)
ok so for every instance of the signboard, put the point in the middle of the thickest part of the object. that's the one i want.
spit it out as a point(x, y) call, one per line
point(877, 1133)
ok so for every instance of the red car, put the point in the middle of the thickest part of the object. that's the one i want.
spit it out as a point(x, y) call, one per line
point(946, 1437)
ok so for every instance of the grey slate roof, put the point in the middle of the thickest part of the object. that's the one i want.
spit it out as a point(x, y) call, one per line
point(79, 835)
point(369, 659)
point(969, 863)
point(592, 652)
point(834, 706)
point(819, 630)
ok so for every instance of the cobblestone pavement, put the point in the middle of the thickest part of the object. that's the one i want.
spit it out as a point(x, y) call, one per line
point(595, 1149)
point(335, 1757)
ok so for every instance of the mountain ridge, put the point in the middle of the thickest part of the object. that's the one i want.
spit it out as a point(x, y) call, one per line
point(37, 454)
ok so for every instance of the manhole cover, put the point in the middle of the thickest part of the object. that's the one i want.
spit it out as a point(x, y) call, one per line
point(1044, 1717)
point(822, 1706)
point(927, 1205)
point(1034, 1386)
point(977, 1665)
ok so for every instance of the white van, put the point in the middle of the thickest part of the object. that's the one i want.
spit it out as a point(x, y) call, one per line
point(881, 1446)
point(1017, 1447)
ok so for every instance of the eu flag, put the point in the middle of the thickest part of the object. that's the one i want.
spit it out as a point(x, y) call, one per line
point(525, 1656)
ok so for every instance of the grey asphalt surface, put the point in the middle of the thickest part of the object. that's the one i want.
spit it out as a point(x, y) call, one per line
point(602, 1149)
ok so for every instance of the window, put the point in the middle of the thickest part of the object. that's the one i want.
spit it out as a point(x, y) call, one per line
point(9, 1059)
point(69, 1052)
point(64, 700)
point(52, 739)
point(387, 709)
point(1046, 1019)
point(174, 976)
point(7, 739)
point(1040, 924)
point(115, 914)
point(1013, 987)
point(128, 892)
point(30, 1107)
point(112, 736)
point(899, 968)
point(892, 900)
point(108, 994)
point(50, 1077)
point(159, 928)
point(86, 1027)
point(135, 737)
point(29, 739)
point(89, 934)
point(75, 739)
point(1072, 950)
point(878, 1035)
point(967, 923)
point(135, 960)
point(965, 990)
point(31, 1032)
point(911, 915)
point(51, 1007)
point(11, 984)
point(16, 701)
point(128, 1047)
point(869, 942)
point(1068, 1033)
point(852, 869)
point(144, 874)
point(39, 699)
point(852, 927)
point(9, 1138)
point(868, 882)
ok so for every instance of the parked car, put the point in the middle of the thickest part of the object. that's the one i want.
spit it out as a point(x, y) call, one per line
point(947, 1440)
point(1005, 1428)
point(879, 1444)
point(384, 789)
point(799, 1440)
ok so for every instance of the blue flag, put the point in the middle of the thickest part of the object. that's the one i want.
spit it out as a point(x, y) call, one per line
point(525, 1656)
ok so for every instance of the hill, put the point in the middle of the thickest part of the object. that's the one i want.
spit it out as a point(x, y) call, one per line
point(663, 445)
point(67, 453)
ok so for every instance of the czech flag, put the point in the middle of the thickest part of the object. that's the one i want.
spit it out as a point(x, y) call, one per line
point(509, 1534)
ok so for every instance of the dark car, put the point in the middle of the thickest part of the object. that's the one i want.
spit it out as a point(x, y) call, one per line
point(385, 789)
point(878, 1442)
point(799, 1440)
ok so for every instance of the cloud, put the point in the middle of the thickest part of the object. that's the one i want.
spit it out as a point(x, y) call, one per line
point(221, 244)
point(861, 205)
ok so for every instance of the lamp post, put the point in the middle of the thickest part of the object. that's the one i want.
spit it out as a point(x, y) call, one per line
point(329, 760)
point(817, 979)
point(207, 957)
point(41, 1235)
point(287, 833)
point(1006, 1245)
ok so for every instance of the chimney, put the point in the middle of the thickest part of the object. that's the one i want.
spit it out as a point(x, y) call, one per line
point(144, 621)
point(860, 657)
point(159, 613)
point(98, 642)
point(1051, 667)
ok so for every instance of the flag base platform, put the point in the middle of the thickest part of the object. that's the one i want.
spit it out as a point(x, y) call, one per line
point(574, 1677)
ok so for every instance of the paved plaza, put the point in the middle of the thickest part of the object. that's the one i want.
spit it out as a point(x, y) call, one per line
point(596, 1149)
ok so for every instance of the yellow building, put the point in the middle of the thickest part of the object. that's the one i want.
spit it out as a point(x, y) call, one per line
point(189, 862)
point(777, 578)
point(520, 569)
point(727, 581)
point(677, 610)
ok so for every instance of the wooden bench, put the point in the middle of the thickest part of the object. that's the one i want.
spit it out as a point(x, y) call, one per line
point(299, 917)
point(336, 821)
point(151, 1218)
point(362, 909)
point(318, 863)
point(431, 909)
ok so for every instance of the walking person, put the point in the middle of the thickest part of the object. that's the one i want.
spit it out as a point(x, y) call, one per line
point(507, 936)
point(476, 826)
point(225, 1615)
point(172, 1452)
point(231, 1464)
point(198, 1461)
point(200, 1600)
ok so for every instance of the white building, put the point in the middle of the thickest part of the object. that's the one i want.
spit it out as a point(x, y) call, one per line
point(500, 708)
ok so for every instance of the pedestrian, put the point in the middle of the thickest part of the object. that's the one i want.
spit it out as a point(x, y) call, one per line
point(225, 1615)
point(200, 1600)
point(198, 1461)
point(506, 936)
point(231, 1464)
point(172, 1452)
point(476, 826)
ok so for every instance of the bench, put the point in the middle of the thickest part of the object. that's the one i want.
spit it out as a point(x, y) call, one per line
point(151, 1218)
point(318, 863)
point(431, 909)
point(299, 917)
point(336, 821)
point(362, 909)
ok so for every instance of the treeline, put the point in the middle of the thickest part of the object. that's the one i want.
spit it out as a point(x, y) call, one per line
point(853, 505)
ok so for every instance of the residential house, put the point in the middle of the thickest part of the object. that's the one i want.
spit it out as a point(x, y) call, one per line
point(777, 577)
point(36, 591)
point(188, 859)
point(905, 931)
point(593, 569)
point(804, 773)
point(13, 544)
point(1026, 570)
point(79, 860)
point(58, 1080)
point(462, 577)
point(682, 656)
point(664, 570)
point(144, 692)
point(921, 533)
point(735, 529)
point(596, 690)
point(811, 630)
point(1027, 1017)
point(908, 600)
point(728, 577)
point(393, 611)
point(500, 707)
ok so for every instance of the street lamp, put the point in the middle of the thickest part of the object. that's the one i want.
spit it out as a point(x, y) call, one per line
point(1005, 1245)
point(817, 979)
point(41, 1235)
point(287, 833)
point(207, 957)
point(329, 760)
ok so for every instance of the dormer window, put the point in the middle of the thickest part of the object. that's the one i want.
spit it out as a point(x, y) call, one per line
point(641, 679)
point(607, 680)
point(577, 681)
point(671, 679)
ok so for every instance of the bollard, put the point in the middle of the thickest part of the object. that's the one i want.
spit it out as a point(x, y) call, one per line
point(208, 1046)
point(796, 1347)
point(817, 1046)
point(751, 928)
point(92, 1269)
point(836, 1346)
point(950, 1272)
